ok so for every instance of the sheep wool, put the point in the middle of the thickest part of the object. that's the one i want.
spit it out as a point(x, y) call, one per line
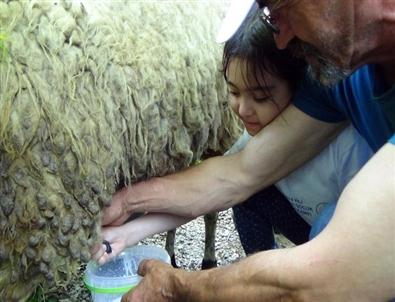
point(94, 94)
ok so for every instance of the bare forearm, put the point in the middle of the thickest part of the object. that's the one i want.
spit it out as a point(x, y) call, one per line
point(286, 144)
point(362, 232)
point(150, 224)
point(193, 192)
point(256, 278)
point(221, 182)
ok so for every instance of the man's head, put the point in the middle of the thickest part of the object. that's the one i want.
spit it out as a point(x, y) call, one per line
point(321, 31)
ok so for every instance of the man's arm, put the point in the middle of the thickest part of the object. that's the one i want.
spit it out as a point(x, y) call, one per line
point(221, 182)
point(360, 239)
point(353, 259)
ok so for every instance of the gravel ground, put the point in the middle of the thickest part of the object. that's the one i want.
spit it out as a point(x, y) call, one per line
point(189, 249)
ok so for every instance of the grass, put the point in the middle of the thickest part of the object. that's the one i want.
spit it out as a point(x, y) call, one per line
point(39, 296)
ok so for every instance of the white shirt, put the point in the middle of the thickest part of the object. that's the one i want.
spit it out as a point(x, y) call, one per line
point(322, 179)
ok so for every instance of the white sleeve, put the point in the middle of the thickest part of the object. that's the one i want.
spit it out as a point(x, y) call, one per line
point(239, 144)
point(352, 158)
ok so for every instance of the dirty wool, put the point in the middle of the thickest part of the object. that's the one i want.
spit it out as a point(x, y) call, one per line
point(96, 95)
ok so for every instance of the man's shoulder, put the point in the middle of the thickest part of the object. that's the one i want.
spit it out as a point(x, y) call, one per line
point(316, 100)
point(333, 104)
point(357, 86)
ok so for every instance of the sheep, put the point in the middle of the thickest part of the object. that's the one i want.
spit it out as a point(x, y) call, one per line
point(93, 95)
point(209, 258)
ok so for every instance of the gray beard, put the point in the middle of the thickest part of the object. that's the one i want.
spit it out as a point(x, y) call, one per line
point(324, 70)
point(327, 74)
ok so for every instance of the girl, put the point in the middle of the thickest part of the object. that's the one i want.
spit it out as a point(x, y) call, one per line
point(262, 81)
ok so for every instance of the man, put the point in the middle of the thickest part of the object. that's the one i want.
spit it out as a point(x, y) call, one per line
point(353, 259)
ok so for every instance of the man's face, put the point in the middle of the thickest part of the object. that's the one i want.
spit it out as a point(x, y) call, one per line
point(319, 31)
point(321, 67)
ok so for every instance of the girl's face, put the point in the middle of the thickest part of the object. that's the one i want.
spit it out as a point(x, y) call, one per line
point(256, 102)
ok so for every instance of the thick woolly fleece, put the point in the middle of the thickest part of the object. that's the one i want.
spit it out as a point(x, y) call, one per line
point(93, 94)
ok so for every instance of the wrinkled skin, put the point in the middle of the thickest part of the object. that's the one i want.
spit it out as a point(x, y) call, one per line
point(160, 283)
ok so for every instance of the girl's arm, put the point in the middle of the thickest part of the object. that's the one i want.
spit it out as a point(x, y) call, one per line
point(151, 224)
point(132, 232)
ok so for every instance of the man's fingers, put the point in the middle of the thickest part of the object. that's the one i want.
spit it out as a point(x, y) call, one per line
point(110, 214)
point(120, 221)
point(127, 297)
point(142, 270)
point(115, 215)
point(115, 210)
point(145, 266)
point(133, 295)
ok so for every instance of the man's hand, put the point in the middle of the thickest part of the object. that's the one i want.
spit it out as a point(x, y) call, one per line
point(161, 283)
point(256, 278)
point(117, 213)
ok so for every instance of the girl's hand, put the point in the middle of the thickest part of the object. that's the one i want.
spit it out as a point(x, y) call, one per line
point(117, 239)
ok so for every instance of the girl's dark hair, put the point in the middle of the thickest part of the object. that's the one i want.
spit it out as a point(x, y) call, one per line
point(253, 43)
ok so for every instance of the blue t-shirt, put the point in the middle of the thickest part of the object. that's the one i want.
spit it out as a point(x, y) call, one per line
point(360, 98)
